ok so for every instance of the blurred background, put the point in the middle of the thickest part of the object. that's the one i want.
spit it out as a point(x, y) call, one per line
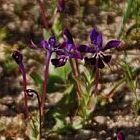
point(20, 22)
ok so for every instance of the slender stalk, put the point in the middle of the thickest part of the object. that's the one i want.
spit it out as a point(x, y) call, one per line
point(31, 92)
point(77, 67)
point(22, 69)
point(96, 81)
point(75, 76)
point(46, 73)
point(111, 93)
point(40, 118)
point(72, 67)
point(43, 13)
point(94, 92)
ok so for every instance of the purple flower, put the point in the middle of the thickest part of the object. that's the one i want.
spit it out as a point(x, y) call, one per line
point(67, 50)
point(59, 62)
point(49, 45)
point(120, 136)
point(99, 58)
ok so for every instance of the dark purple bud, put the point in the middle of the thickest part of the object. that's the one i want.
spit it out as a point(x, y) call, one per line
point(17, 56)
point(120, 136)
point(52, 41)
point(61, 5)
point(96, 38)
point(59, 62)
point(112, 44)
point(68, 36)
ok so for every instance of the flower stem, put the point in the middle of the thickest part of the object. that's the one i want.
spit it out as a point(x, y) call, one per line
point(96, 81)
point(43, 13)
point(40, 117)
point(75, 76)
point(77, 67)
point(22, 69)
point(31, 92)
point(46, 73)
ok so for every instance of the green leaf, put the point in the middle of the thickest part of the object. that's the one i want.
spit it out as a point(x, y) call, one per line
point(3, 33)
point(61, 72)
point(36, 78)
point(55, 83)
point(57, 27)
point(9, 66)
point(59, 121)
point(46, 34)
point(33, 128)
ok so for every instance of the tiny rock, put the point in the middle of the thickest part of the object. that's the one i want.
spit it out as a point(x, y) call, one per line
point(100, 119)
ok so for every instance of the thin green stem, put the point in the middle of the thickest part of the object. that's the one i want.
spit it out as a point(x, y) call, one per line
point(75, 76)
point(111, 93)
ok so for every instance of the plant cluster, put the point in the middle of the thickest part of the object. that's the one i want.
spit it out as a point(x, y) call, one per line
point(83, 64)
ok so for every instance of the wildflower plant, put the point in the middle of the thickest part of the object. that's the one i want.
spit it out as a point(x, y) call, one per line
point(68, 51)
point(80, 92)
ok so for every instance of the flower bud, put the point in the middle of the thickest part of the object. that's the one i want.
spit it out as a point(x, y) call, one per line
point(17, 56)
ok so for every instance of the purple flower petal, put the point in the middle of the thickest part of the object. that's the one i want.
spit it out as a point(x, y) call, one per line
point(75, 54)
point(112, 44)
point(84, 48)
point(60, 52)
point(52, 41)
point(59, 62)
point(62, 45)
point(100, 63)
point(69, 47)
point(90, 61)
point(45, 44)
point(106, 58)
point(68, 36)
point(96, 38)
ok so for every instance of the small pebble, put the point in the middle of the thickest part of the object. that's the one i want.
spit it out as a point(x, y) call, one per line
point(100, 119)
